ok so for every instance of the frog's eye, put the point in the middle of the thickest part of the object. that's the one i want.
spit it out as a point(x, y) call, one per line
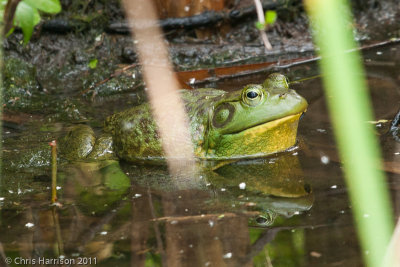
point(265, 219)
point(252, 95)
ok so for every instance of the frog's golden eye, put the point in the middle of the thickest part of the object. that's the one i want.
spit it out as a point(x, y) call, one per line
point(252, 95)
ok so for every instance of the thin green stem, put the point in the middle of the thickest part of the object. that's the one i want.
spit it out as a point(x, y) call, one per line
point(350, 108)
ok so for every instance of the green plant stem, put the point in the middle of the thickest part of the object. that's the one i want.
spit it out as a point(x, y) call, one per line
point(350, 110)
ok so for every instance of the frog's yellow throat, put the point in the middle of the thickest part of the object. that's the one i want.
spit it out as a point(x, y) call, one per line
point(264, 139)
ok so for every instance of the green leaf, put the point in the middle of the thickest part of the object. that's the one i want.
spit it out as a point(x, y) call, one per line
point(260, 26)
point(10, 31)
point(48, 6)
point(26, 17)
point(3, 5)
point(93, 63)
point(270, 17)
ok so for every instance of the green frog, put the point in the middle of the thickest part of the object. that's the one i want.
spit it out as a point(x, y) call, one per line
point(258, 120)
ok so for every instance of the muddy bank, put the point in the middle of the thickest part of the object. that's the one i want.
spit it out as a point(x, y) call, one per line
point(81, 60)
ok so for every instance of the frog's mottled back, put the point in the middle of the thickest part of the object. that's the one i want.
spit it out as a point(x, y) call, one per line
point(135, 134)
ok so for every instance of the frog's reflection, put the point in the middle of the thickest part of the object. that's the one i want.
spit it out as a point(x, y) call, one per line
point(104, 215)
point(210, 225)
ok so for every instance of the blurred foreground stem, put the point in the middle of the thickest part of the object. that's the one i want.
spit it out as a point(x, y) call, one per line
point(350, 109)
point(162, 88)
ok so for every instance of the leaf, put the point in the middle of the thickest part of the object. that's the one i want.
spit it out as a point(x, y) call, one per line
point(270, 17)
point(48, 6)
point(3, 5)
point(10, 31)
point(26, 17)
point(260, 26)
point(93, 63)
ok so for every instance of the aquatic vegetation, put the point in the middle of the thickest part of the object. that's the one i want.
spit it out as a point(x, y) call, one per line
point(25, 14)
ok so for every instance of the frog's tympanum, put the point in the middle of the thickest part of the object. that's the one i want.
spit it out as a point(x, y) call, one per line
point(257, 120)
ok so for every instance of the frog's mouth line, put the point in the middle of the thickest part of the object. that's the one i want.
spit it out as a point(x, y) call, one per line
point(271, 124)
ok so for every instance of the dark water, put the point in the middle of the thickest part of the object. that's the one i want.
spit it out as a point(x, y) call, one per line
point(290, 209)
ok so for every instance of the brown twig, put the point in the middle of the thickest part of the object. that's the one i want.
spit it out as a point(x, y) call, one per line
point(115, 74)
point(261, 19)
point(9, 13)
point(160, 245)
point(203, 217)
point(53, 145)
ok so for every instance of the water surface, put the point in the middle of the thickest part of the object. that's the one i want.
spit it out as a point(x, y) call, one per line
point(290, 209)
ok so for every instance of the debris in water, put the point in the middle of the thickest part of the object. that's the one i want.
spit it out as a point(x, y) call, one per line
point(227, 255)
point(29, 225)
point(242, 185)
point(315, 254)
point(325, 159)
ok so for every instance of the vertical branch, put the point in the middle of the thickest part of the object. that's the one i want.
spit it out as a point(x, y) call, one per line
point(160, 245)
point(53, 145)
point(261, 19)
point(58, 244)
point(1, 104)
point(9, 12)
point(167, 106)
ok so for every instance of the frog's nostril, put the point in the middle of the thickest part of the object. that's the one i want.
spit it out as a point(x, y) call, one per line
point(283, 95)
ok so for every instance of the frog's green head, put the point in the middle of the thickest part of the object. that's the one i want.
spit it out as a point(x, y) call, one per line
point(257, 120)
point(276, 82)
